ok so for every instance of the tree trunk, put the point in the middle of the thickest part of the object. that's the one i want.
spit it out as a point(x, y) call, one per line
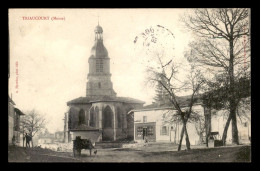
point(208, 124)
point(235, 138)
point(224, 136)
point(201, 138)
point(180, 143)
point(187, 137)
point(32, 143)
point(232, 95)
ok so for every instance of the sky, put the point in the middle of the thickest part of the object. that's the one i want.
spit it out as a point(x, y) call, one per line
point(49, 58)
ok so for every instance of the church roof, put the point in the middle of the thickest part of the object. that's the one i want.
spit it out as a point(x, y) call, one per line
point(98, 29)
point(99, 50)
point(84, 100)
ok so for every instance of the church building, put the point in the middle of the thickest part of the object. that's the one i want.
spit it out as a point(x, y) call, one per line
point(101, 115)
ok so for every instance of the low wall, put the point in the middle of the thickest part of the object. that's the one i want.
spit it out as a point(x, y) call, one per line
point(94, 136)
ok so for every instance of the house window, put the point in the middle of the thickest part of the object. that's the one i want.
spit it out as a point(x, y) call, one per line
point(99, 65)
point(144, 119)
point(99, 85)
point(164, 130)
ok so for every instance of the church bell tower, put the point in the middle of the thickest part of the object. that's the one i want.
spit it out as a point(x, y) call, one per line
point(99, 77)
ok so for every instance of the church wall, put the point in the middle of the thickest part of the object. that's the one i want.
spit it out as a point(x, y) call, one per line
point(92, 65)
point(113, 133)
point(74, 116)
point(106, 66)
point(121, 133)
point(100, 86)
point(108, 134)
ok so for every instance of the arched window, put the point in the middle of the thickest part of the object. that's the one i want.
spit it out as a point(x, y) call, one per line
point(96, 116)
point(107, 117)
point(119, 118)
point(81, 117)
point(92, 117)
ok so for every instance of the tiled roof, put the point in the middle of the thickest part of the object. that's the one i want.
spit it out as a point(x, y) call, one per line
point(18, 111)
point(10, 100)
point(182, 100)
point(83, 100)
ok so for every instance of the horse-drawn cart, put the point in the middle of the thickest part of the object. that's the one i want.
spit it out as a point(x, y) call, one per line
point(79, 144)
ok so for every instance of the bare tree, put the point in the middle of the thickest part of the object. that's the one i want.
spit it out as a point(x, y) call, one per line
point(33, 123)
point(222, 47)
point(165, 73)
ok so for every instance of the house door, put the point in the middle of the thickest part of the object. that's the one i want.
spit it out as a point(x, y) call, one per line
point(144, 132)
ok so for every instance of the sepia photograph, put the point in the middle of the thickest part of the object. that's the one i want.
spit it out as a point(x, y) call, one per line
point(129, 85)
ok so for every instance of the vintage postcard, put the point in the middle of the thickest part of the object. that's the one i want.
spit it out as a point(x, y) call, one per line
point(129, 85)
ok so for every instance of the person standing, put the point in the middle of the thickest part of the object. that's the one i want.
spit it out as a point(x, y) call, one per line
point(28, 139)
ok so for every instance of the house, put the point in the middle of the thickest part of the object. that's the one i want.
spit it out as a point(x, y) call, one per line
point(59, 136)
point(153, 123)
point(45, 138)
point(15, 136)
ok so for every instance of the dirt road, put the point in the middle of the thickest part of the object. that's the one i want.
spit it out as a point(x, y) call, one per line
point(144, 154)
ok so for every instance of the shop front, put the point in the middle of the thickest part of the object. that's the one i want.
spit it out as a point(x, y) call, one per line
point(145, 131)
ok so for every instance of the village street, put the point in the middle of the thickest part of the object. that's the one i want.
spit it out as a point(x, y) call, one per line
point(152, 153)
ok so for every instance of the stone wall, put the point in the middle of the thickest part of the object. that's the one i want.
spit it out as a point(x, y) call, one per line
point(108, 134)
